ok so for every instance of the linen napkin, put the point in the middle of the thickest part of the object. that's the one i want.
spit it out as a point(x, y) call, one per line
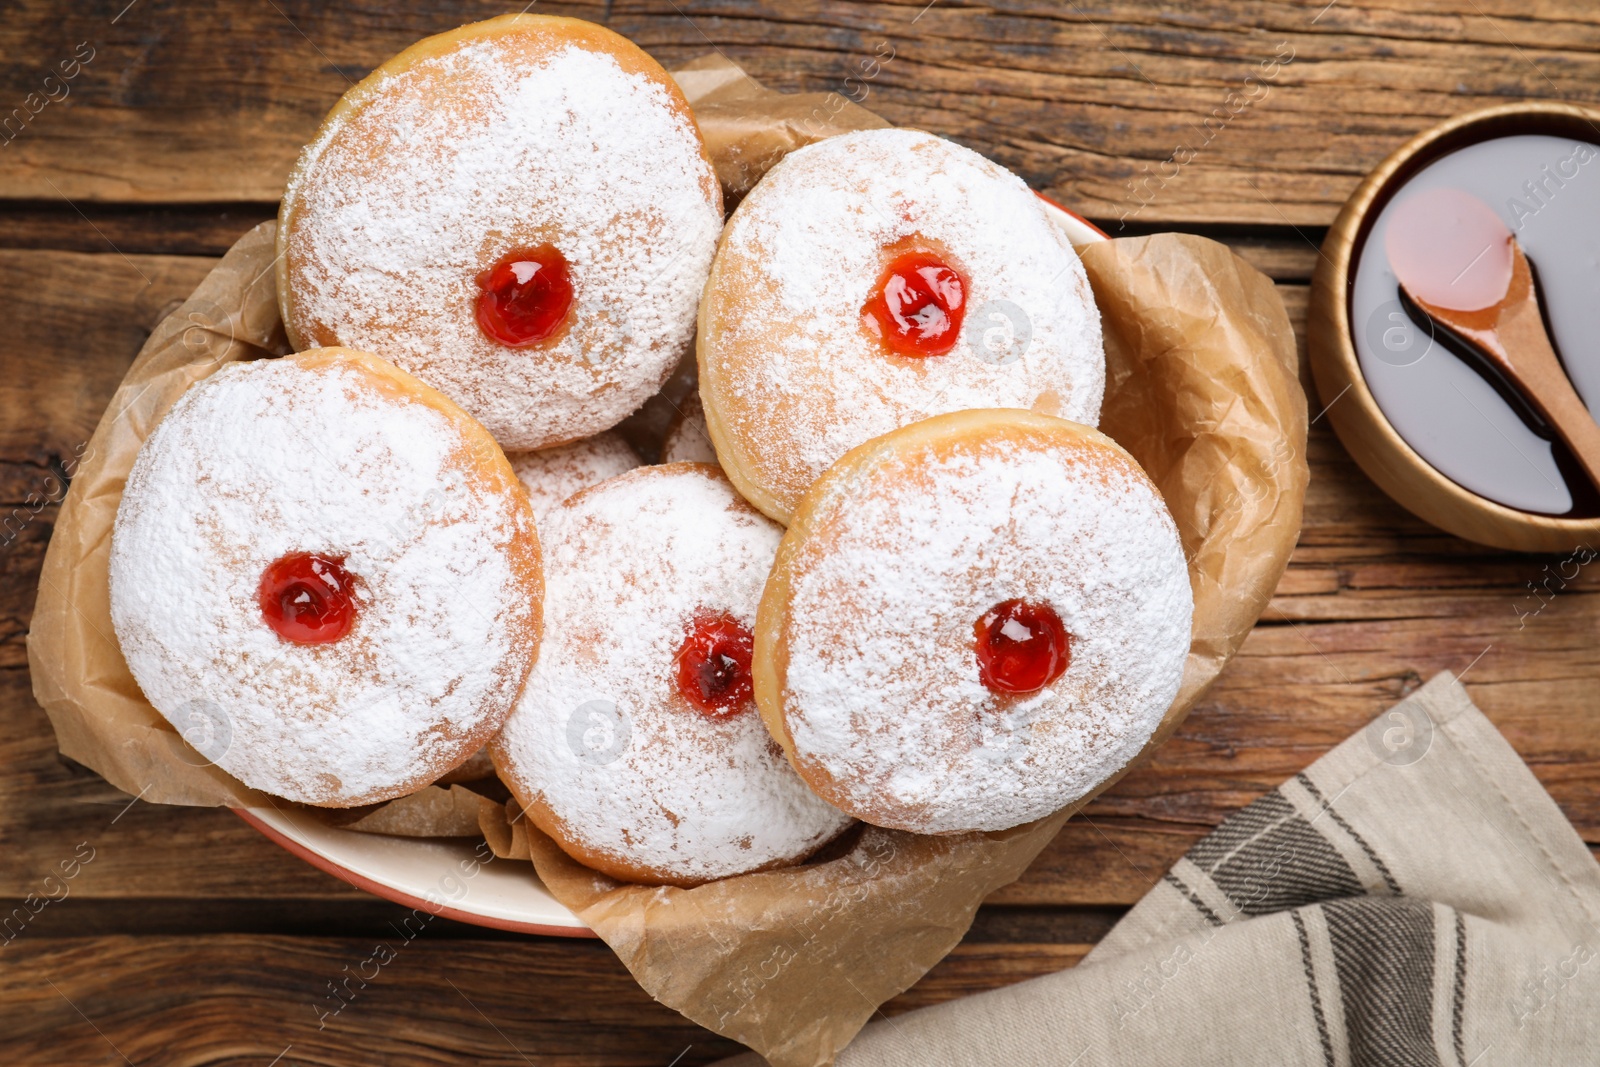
point(1412, 898)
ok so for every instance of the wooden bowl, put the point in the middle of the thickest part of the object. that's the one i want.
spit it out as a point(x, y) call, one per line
point(1361, 425)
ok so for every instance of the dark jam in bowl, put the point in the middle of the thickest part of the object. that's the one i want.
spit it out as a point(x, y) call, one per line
point(1468, 425)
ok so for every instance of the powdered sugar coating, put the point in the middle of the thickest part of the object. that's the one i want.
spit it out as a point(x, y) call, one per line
point(881, 692)
point(550, 475)
point(506, 141)
point(267, 458)
point(791, 378)
point(602, 747)
point(687, 440)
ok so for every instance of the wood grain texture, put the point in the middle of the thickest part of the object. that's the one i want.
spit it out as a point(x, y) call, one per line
point(239, 1000)
point(85, 317)
point(132, 229)
point(191, 939)
point(243, 1000)
point(1117, 108)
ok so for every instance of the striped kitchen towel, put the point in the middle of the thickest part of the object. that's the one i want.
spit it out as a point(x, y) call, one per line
point(1412, 898)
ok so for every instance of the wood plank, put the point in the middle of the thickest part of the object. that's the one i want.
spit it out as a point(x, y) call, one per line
point(244, 999)
point(24, 534)
point(250, 999)
point(1094, 103)
point(48, 807)
point(362, 916)
point(87, 315)
point(176, 138)
point(133, 229)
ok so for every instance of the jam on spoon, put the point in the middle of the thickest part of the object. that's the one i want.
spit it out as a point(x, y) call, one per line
point(1461, 266)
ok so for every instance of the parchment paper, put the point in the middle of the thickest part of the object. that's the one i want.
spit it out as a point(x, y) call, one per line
point(1201, 389)
point(100, 717)
point(748, 127)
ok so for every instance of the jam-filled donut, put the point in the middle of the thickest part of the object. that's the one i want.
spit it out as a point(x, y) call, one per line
point(636, 744)
point(520, 212)
point(687, 440)
point(874, 279)
point(550, 475)
point(973, 621)
point(325, 576)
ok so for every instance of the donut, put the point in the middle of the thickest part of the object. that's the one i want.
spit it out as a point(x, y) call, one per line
point(550, 475)
point(874, 279)
point(325, 576)
point(972, 622)
point(636, 745)
point(686, 440)
point(520, 212)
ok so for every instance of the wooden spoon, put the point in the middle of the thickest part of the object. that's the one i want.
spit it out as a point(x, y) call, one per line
point(1458, 262)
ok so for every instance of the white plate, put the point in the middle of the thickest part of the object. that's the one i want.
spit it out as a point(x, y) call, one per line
point(1078, 229)
point(451, 878)
point(456, 878)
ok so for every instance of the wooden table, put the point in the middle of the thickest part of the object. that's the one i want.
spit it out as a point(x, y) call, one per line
point(190, 939)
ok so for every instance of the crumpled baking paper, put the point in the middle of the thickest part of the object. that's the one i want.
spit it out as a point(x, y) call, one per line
point(1201, 389)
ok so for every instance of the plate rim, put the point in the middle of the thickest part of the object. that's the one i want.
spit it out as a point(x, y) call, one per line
point(265, 821)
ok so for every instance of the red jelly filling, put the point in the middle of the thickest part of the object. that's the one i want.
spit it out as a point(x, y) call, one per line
point(714, 665)
point(525, 296)
point(1022, 646)
point(917, 306)
point(307, 598)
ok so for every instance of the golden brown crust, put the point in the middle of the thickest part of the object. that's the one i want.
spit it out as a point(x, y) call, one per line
point(599, 363)
point(544, 34)
point(787, 391)
point(847, 479)
point(572, 828)
point(707, 340)
point(552, 826)
point(480, 459)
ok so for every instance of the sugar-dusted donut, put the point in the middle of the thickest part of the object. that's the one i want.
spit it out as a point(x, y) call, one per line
point(325, 575)
point(636, 744)
point(973, 621)
point(550, 475)
point(874, 279)
point(520, 212)
point(686, 440)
